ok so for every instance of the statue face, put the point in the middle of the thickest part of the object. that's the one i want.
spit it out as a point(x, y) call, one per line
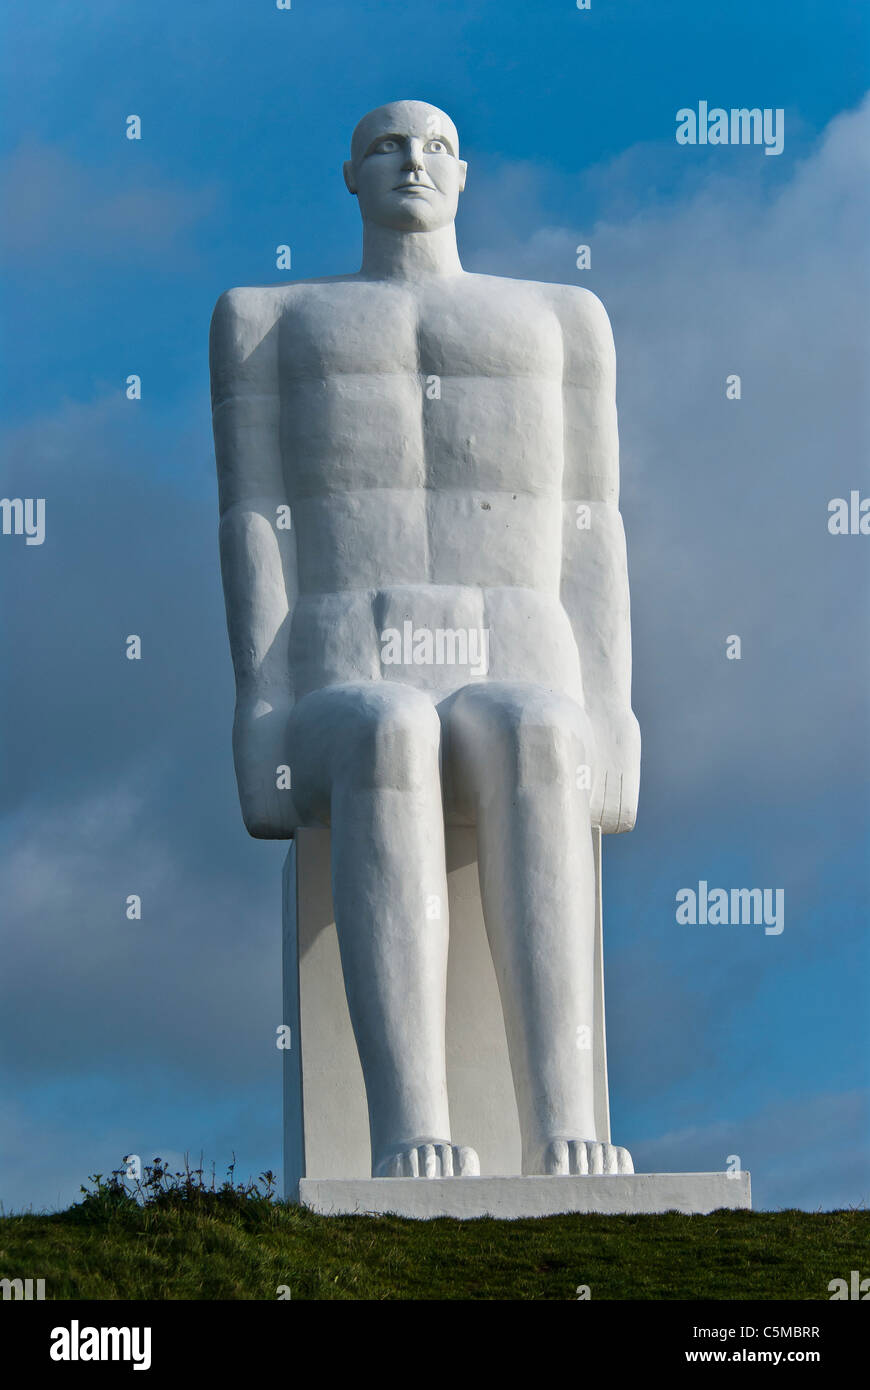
point(404, 167)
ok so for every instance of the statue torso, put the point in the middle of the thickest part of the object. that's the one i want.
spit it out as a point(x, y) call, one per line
point(422, 447)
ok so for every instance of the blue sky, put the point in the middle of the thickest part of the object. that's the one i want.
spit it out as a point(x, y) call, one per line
point(158, 1037)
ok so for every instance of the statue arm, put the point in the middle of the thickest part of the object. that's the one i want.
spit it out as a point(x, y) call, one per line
point(594, 582)
point(258, 556)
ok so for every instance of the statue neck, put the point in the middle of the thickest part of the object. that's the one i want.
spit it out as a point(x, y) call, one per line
point(392, 255)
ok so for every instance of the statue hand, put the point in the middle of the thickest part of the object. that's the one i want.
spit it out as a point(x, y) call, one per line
point(259, 750)
point(616, 777)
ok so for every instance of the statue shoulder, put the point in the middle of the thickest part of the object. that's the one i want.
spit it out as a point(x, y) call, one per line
point(243, 339)
point(241, 321)
point(586, 330)
point(581, 312)
point(248, 312)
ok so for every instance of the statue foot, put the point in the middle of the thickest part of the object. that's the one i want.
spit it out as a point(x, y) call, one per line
point(566, 1156)
point(435, 1160)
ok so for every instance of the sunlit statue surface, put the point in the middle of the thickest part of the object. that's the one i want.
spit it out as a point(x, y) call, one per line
point(427, 599)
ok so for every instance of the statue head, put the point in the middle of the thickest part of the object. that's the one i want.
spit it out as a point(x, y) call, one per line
point(404, 167)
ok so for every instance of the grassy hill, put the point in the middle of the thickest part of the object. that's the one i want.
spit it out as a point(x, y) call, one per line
point(239, 1244)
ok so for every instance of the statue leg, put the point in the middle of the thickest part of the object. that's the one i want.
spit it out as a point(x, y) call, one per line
point(365, 760)
point(514, 752)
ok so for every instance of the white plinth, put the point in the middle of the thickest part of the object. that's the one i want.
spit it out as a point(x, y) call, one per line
point(510, 1198)
point(326, 1133)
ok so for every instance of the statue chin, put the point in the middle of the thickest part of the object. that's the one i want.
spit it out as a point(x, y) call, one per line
point(411, 215)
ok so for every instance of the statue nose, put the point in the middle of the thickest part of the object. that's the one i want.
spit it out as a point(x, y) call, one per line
point(415, 157)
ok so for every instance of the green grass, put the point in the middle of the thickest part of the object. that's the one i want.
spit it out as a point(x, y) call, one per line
point(246, 1250)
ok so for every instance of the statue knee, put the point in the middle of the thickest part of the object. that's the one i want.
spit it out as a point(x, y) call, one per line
point(394, 742)
point(535, 737)
point(548, 745)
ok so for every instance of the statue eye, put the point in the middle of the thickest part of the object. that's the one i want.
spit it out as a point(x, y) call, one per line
point(386, 146)
point(436, 147)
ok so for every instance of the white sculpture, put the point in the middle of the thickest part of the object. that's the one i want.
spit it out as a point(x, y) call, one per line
point(427, 601)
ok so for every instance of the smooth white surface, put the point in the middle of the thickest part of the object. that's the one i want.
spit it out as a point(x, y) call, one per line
point(325, 1115)
point(489, 507)
point(510, 1198)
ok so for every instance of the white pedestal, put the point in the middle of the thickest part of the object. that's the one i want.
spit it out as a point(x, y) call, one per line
point(325, 1116)
point(510, 1198)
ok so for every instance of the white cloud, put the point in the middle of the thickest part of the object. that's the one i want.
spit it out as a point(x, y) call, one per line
point(813, 1153)
point(726, 502)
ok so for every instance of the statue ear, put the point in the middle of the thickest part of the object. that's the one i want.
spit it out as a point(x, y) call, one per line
point(348, 176)
point(464, 167)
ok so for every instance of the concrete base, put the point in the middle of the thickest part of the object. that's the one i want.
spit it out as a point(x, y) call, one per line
point(510, 1198)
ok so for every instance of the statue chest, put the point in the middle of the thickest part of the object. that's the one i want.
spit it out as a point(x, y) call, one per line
point(381, 387)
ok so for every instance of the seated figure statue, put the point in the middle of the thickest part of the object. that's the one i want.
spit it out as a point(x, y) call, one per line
point(427, 601)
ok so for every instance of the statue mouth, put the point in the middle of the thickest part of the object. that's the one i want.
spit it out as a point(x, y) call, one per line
point(414, 187)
